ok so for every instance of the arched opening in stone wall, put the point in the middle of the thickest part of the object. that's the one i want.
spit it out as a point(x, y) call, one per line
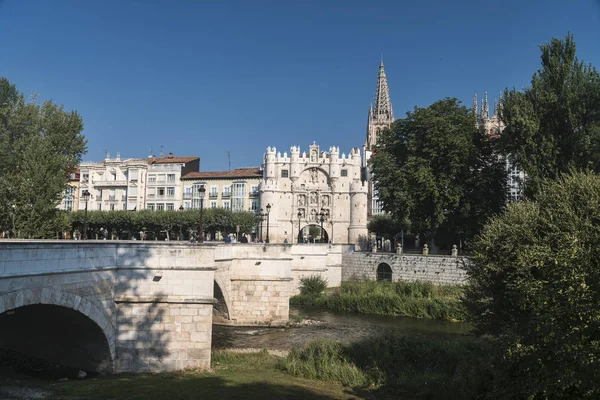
point(57, 335)
point(384, 272)
point(220, 309)
point(313, 234)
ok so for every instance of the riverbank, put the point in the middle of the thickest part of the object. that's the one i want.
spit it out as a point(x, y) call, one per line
point(390, 366)
point(233, 376)
point(393, 366)
point(409, 299)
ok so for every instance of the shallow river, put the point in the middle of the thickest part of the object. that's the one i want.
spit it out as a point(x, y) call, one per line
point(346, 327)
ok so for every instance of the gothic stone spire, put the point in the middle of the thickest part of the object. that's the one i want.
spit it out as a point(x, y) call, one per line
point(383, 105)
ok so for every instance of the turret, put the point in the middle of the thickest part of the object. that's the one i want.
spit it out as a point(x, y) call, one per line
point(355, 156)
point(294, 163)
point(485, 109)
point(270, 163)
point(334, 163)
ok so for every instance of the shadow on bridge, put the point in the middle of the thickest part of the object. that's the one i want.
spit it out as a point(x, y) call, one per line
point(73, 319)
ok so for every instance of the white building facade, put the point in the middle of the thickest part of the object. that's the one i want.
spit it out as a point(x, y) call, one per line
point(113, 184)
point(164, 188)
point(301, 189)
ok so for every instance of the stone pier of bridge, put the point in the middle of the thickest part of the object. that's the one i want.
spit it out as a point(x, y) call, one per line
point(145, 306)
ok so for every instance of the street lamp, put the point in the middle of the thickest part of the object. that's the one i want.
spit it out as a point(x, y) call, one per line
point(299, 230)
point(86, 196)
point(322, 217)
point(268, 212)
point(202, 190)
point(262, 218)
point(180, 229)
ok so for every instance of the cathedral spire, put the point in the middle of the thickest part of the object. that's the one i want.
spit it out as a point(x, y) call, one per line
point(383, 105)
point(485, 108)
point(475, 104)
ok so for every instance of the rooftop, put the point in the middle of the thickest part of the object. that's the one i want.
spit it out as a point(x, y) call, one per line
point(252, 172)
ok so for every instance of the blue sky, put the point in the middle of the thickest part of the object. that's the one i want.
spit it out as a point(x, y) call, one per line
point(207, 77)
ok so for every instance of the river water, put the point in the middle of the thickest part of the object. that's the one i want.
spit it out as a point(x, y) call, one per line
point(345, 327)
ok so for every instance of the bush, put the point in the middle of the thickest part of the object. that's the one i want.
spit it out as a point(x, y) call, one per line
point(534, 283)
point(313, 285)
point(422, 366)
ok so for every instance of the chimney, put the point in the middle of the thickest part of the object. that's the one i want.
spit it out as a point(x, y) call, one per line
point(170, 155)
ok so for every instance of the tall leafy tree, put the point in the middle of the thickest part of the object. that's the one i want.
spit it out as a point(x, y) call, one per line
point(39, 146)
point(534, 284)
point(429, 170)
point(554, 124)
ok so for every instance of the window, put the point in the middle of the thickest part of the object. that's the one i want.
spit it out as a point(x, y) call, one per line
point(160, 207)
point(214, 191)
point(171, 192)
point(151, 178)
point(99, 194)
point(124, 207)
point(226, 205)
point(213, 204)
point(226, 190)
point(133, 175)
point(187, 205)
point(160, 191)
point(170, 206)
point(132, 191)
point(254, 205)
point(112, 207)
point(254, 190)
point(344, 172)
point(284, 173)
point(99, 207)
point(161, 178)
point(150, 207)
point(170, 177)
point(188, 192)
point(85, 176)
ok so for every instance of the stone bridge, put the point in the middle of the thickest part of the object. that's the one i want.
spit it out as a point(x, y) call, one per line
point(145, 306)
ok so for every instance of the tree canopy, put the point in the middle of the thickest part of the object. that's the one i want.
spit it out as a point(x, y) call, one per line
point(40, 144)
point(434, 169)
point(534, 283)
point(554, 124)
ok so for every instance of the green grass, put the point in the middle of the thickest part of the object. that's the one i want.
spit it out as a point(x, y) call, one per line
point(233, 376)
point(409, 367)
point(411, 299)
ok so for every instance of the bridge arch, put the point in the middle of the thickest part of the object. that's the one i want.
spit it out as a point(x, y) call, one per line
point(221, 295)
point(12, 301)
point(384, 272)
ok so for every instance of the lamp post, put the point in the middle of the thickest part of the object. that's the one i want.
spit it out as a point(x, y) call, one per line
point(180, 230)
point(299, 230)
point(86, 196)
point(268, 212)
point(262, 218)
point(202, 190)
point(322, 218)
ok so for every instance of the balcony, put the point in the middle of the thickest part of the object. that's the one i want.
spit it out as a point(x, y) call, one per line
point(187, 196)
point(254, 194)
point(213, 195)
point(120, 182)
point(226, 194)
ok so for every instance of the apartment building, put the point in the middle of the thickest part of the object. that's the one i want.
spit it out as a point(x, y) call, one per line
point(235, 190)
point(164, 185)
point(113, 184)
point(70, 198)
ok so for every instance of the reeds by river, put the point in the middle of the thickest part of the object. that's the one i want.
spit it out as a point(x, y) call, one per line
point(411, 299)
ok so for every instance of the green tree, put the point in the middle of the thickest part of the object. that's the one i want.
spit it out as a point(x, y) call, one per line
point(39, 146)
point(386, 226)
point(534, 282)
point(429, 171)
point(555, 124)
